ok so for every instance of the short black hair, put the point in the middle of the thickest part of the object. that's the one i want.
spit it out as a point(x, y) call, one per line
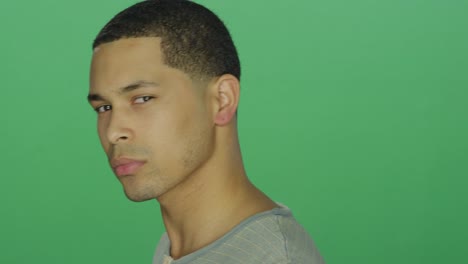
point(193, 38)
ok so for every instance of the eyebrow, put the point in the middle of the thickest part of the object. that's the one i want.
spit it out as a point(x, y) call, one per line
point(126, 89)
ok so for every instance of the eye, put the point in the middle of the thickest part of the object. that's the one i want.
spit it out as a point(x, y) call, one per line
point(103, 108)
point(143, 99)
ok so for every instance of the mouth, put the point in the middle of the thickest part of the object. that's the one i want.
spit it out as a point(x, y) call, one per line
point(125, 166)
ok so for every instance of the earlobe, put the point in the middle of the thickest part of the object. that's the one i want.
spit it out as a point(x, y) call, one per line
point(228, 92)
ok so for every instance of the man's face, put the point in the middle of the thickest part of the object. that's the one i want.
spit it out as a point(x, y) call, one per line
point(153, 122)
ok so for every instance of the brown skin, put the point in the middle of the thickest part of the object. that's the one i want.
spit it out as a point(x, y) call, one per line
point(186, 133)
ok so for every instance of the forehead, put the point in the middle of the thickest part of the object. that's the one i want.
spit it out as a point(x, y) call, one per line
point(126, 60)
point(146, 45)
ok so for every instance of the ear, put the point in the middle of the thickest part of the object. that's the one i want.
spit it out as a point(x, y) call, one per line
point(227, 93)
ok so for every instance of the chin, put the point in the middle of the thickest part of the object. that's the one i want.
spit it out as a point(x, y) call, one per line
point(137, 190)
point(138, 197)
point(139, 193)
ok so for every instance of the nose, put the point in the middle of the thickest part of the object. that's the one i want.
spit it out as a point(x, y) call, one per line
point(118, 129)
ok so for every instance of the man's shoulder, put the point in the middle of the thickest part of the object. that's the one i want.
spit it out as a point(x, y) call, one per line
point(274, 236)
point(286, 240)
point(268, 237)
point(299, 246)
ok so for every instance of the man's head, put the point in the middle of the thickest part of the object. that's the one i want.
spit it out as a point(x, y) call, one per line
point(165, 83)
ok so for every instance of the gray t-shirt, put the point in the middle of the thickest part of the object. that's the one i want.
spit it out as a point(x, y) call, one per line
point(269, 237)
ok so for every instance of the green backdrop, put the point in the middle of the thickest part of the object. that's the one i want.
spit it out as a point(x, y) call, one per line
point(353, 113)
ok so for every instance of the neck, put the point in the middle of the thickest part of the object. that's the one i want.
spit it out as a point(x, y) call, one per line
point(211, 202)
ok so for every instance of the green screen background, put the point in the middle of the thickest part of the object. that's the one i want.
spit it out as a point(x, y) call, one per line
point(353, 113)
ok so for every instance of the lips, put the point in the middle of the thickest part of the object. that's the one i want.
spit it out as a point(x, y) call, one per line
point(125, 167)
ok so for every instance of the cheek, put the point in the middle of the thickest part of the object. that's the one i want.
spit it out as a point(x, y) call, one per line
point(164, 129)
point(171, 119)
point(174, 134)
point(194, 135)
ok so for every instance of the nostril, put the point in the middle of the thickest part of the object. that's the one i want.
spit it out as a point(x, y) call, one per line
point(119, 134)
point(121, 138)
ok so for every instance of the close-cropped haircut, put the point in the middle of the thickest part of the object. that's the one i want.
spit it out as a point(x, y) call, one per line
point(193, 39)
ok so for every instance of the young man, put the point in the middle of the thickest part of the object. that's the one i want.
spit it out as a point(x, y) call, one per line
point(165, 85)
